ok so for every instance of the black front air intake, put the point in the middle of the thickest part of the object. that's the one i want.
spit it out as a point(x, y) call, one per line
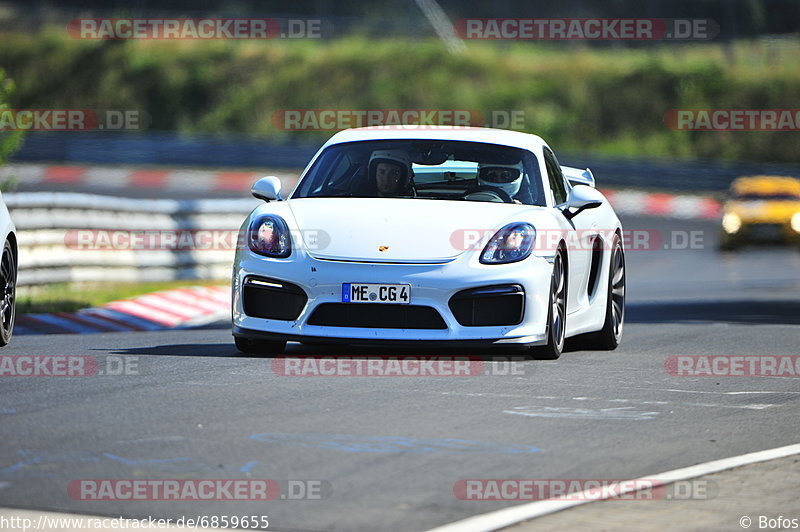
point(489, 306)
point(272, 299)
point(377, 316)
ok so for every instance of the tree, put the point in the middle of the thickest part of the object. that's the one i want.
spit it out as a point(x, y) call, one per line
point(10, 140)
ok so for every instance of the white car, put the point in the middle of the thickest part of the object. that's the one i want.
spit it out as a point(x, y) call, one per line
point(8, 274)
point(434, 236)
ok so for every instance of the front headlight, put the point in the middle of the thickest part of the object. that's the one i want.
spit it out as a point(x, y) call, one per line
point(512, 243)
point(796, 222)
point(731, 223)
point(268, 235)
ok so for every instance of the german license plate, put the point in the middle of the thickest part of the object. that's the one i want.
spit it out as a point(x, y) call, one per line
point(376, 293)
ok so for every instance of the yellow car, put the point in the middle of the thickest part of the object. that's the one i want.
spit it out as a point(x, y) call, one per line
point(761, 209)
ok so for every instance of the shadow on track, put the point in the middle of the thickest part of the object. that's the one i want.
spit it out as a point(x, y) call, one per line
point(293, 349)
point(183, 350)
point(754, 312)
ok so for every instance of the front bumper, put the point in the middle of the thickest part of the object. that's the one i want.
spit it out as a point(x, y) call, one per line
point(432, 285)
point(762, 233)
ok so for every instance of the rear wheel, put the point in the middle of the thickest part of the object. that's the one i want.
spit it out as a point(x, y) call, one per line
point(8, 281)
point(610, 335)
point(556, 314)
point(260, 347)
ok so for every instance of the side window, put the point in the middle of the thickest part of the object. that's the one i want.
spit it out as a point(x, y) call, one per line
point(555, 177)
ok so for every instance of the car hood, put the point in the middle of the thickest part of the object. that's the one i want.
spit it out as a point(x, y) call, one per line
point(398, 230)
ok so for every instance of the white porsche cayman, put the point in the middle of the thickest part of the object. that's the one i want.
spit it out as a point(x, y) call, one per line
point(434, 236)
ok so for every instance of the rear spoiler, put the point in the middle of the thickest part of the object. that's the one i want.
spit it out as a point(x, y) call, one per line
point(576, 176)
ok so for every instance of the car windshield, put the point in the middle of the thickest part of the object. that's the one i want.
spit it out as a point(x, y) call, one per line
point(425, 169)
point(766, 197)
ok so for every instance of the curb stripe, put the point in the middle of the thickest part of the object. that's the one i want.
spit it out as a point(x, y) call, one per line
point(77, 319)
point(234, 180)
point(148, 178)
point(202, 304)
point(65, 174)
point(65, 326)
point(215, 294)
point(29, 321)
point(99, 177)
point(140, 324)
point(215, 297)
point(99, 324)
point(181, 312)
point(74, 326)
point(141, 311)
point(711, 208)
point(22, 330)
point(108, 322)
point(158, 311)
point(625, 201)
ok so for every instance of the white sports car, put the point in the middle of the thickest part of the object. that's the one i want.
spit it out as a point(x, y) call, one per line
point(435, 236)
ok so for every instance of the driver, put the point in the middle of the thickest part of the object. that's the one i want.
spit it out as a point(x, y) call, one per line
point(391, 172)
point(506, 177)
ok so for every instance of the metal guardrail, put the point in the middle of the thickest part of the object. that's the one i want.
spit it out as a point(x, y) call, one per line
point(52, 231)
point(49, 253)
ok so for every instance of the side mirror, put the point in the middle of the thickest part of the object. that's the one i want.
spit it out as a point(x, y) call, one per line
point(576, 176)
point(582, 197)
point(267, 188)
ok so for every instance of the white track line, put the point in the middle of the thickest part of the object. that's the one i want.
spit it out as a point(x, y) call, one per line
point(524, 512)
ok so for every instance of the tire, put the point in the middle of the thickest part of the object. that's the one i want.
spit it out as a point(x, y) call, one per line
point(556, 313)
point(260, 347)
point(8, 282)
point(609, 337)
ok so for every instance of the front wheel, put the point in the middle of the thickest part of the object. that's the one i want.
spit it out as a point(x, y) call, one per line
point(556, 314)
point(260, 347)
point(8, 278)
point(609, 337)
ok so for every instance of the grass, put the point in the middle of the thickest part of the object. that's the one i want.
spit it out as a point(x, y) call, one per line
point(609, 100)
point(70, 297)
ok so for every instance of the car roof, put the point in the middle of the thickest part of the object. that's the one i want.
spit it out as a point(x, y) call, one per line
point(765, 184)
point(502, 137)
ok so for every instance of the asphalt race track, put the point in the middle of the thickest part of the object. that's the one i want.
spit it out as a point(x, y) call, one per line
point(389, 450)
